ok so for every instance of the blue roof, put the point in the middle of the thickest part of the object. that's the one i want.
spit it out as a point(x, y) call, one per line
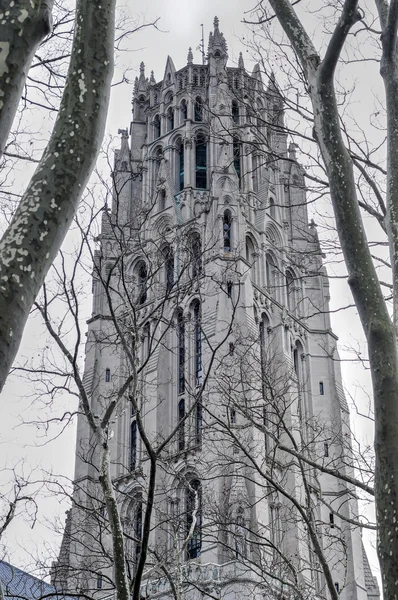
point(19, 584)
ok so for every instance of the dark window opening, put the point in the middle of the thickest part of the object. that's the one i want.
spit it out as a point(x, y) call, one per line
point(326, 449)
point(232, 416)
point(236, 154)
point(201, 163)
point(227, 221)
point(235, 112)
point(184, 110)
point(196, 254)
point(170, 119)
point(198, 109)
point(107, 375)
point(181, 426)
point(156, 127)
point(181, 167)
point(337, 587)
point(133, 445)
point(99, 581)
point(331, 520)
point(142, 284)
point(231, 348)
point(162, 200)
point(199, 422)
point(194, 497)
point(138, 530)
point(229, 289)
point(181, 352)
point(321, 388)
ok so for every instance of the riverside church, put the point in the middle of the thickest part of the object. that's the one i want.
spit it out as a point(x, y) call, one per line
point(210, 346)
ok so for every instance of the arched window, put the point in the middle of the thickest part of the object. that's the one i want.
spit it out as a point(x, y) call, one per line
point(193, 499)
point(197, 335)
point(170, 119)
point(226, 230)
point(237, 158)
point(181, 426)
point(181, 352)
point(202, 78)
point(195, 251)
point(184, 110)
point(201, 162)
point(142, 282)
point(198, 109)
point(140, 116)
point(180, 166)
point(289, 279)
point(298, 354)
point(195, 78)
point(235, 112)
point(156, 127)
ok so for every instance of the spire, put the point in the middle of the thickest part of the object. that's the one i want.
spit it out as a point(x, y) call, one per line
point(142, 84)
point(217, 42)
point(190, 56)
point(152, 80)
point(241, 64)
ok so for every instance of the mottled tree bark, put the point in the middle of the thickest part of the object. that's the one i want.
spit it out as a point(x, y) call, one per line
point(362, 277)
point(45, 213)
point(23, 25)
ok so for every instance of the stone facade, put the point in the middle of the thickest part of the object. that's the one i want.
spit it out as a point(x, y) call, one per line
point(216, 282)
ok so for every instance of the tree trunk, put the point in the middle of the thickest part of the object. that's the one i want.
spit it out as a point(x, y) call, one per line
point(23, 26)
point(48, 206)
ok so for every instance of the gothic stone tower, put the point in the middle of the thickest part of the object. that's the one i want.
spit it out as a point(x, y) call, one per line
point(210, 276)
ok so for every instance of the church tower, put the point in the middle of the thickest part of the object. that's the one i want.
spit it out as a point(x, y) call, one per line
point(210, 332)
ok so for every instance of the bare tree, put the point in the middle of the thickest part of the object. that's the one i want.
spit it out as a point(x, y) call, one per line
point(46, 210)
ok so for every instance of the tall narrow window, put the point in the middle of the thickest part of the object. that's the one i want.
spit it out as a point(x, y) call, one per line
point(226, 227)
point(170, 119)
point(181, 426)
point(236, 155)
point(331, 520)
point(168, 268)
point(194, 501)
point(326, 449)
point(99, 581)
point(180, 152)
point(142, 283)
point(198, 109)
point(107, 375)
point(156, 127)
point(199, 422)
point(235, 112)
point(229, 289)
point(133, 445)
point(181, 352)
point(321, 388)
point(138, 530)
point(198, 344)
point(162, 199)
point(196, 254)
point(201, 162)
point(184, 110)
